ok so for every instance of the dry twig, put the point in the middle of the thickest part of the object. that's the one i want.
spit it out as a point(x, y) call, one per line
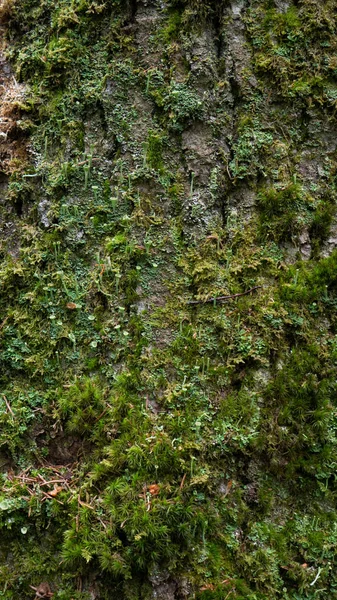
point(8, 406)
point(224, 298)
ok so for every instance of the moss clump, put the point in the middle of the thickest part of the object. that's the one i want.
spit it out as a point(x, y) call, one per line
point(154, 151)
point(284, 212)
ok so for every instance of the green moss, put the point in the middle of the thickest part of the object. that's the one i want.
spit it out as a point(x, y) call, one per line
point(82, 405)
point(154, 150)
point(170, 31)
point(321, 225)
point(161, 358)
point(284, 212)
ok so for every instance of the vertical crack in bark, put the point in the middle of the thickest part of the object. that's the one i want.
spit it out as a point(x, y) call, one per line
point(12, 94)
point(132, 10)
point(13, 143)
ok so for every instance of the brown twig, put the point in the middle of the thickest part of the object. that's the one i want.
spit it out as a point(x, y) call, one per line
point(44, 482)
point(100, 520)
point(56, 468)
point(224, 298)
point(52, 481)
point(8, 406)
point(81, 503)
point(4, 322)
point(229, 175)
point(102, 414)
point(183, 481)
point(48, 497)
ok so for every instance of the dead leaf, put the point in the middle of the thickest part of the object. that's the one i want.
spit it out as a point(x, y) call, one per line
point(57, 489)
point(43, 590)
point(154, 489)
point(228, 487)
point(207, 586)
point(71, 305)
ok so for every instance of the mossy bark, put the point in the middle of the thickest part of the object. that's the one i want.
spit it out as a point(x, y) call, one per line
point(168, 308)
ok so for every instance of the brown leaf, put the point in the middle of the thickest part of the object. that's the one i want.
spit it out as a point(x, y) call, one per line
point(304, 566)
point(57, 489)
point(228, 487)
point(154, 489)
point(207, 586)
point(71, 305)
point(43, 590)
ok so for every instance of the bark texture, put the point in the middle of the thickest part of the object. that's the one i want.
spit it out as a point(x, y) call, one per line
point(168, 235)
